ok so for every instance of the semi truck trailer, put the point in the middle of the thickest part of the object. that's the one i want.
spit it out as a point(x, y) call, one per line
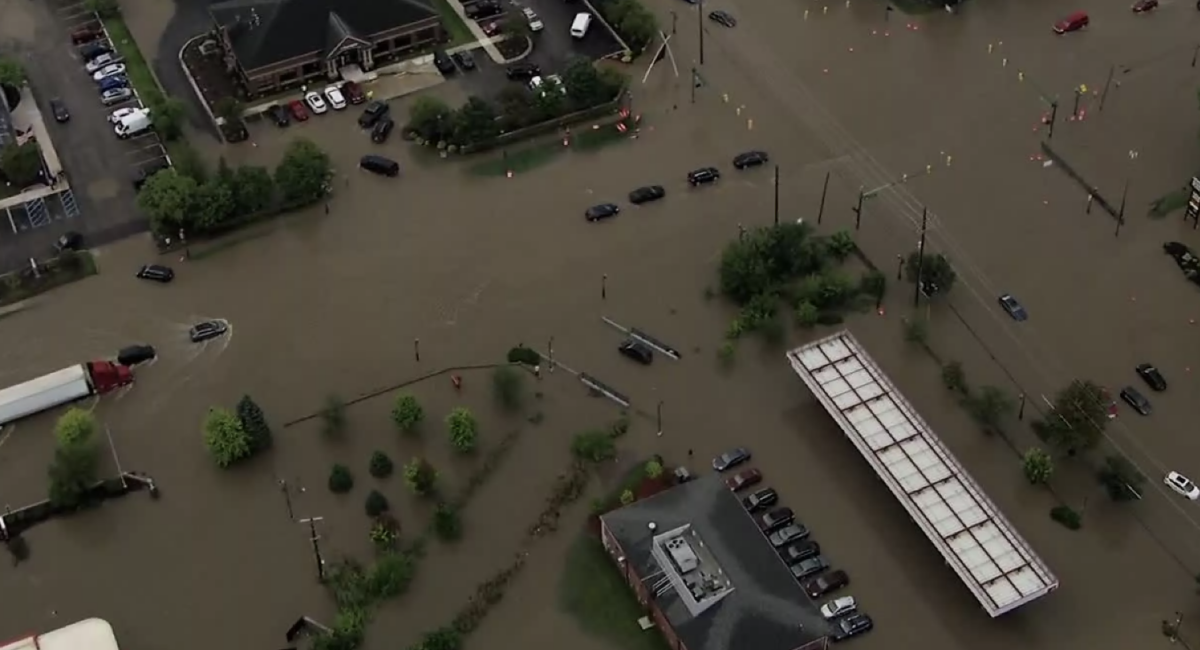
point(58, 388)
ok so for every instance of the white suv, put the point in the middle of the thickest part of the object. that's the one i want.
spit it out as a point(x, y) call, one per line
point(535, 23)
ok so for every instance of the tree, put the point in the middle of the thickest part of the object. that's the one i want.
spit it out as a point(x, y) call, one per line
point(765, 259)
point(990, 406)
point(627, 497)
point(841, 245)
point(594, 446)
point(72, 472)
point(654, 469)
point(447, 524)
point(168, 115)
point(954, 379)
point(11, 72)
point(517, 108)
point(168, 197)
point(443, 638)
point(254, 423)
point(21, 164)
point(253, 189)
point(340, 480)
point(229, 109)
point(549, 102)
point(333, 416)
point(225, 438)
point(303, 173)
point(407, 414)
point(1120, 478)
point(75, 427)
point(1037, 465)
point(376, 504)
point(213, 206)
point(429, 118)
point(1077, 419)
point(584, 86)
point(463, 428)
point(103, 8)
point(807, 314)
point(380, 465)
point(636, 25)
point(522, 354)
point(509, 387)
point(475, 123)
point(937, 276)
point(420, 476)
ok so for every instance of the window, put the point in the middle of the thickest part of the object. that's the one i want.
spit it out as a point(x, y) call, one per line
point(287, 77)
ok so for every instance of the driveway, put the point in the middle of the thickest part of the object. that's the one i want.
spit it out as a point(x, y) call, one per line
point(553, 46)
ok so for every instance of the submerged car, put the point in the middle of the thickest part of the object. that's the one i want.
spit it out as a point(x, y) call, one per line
point(763, 498)
point(156, 272)
point(730, 459)
point(827, 583)
point(852, 625)
point(1152, 377)
point(839, 607)
point(134, 354)
point(750, 159)
point(59, 108)
point(647, 194)
point(793, 532)
point(1013, 308)
point(602, 211)
point(209, 329)
point(637, 351)
point(723, 18)
point(1137, 400)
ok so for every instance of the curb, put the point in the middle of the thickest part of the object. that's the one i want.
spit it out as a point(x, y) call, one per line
point(196, 87)
point(522, 55)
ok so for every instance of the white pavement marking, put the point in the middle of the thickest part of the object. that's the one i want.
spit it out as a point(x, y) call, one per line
point(12, 223)
point(484, 40)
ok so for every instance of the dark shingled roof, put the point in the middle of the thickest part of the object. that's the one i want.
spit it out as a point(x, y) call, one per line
point(8, 132)
point(767, 609)
point(264, 32)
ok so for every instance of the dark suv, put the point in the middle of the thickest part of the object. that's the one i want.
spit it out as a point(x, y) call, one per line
point(443, 63)
point(372, 114)
point(702, 176)
point(763, 498)
point(156, 272)
point(637, 351)
point(522, 71)
point(800, 551)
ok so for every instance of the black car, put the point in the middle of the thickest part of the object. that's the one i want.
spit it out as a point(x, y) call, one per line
point(443, 63)
point(279, 115)
point(792, 532)
point(731, 459)
point(793, 553)
point(144, 173)
point(134, 354)
point(764, 498)
point(647, 194)
point(70, 241)
point(602, 211)
point(464, 59)
point(209, 329)
point(484, 9)
point(95, 49)
point(522, 71)
point(156, 272)
point(372, 113)
point(809, 567)
point(637, 351)
point(776, 518)
point(723, 18)
point(61, 114)
point(1152, 377)
point(703, 175)
point(823, 584)
point(1136, 400)
point(382, 130)
point(750, 159)
point(852, 625)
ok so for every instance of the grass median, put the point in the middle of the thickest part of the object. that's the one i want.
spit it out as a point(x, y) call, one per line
point(136, 68)
point(459, 33)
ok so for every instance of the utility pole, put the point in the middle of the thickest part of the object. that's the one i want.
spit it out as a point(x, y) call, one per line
point(1021, 409)
point(1121, 212)
point(899, 267)
point(694, 84)
point(1053, 118)
point(824, 191)
point(776, 195)
point(1107, 82)
point(700, 28)
point(658, 416)
point(316, 545)
point(858, 209)
point(920, 258)
point(287, 498)
point(604, 287)
point(417, 349)
point(674, 22)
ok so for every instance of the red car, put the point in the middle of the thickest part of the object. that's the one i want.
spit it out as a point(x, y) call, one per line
point(822, 585)
point(296, 108)
point(1142, 6)
point(354, 93)
point(1110, 404)
point(1074, 22)
point(86, 35)
point(491, 29)
point(744, 479)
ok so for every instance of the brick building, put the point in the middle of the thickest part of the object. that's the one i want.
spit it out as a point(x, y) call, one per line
point(276, 45)
point(711, 581)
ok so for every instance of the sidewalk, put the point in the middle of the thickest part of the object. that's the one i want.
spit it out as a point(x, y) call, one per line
point(484, 40)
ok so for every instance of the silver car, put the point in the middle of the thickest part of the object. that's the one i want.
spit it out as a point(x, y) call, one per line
point(114, 96)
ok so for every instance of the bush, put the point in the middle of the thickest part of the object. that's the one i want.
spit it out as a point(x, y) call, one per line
point(620, 426)
point(1067, 516)
point(447, 524)
point(726, 354)
point(407, 414)
point(953, 378)
point(463, 429)
point(341, 480)
point(522, 354)
point(333, 416)
point(841, 245)
point(654, 469)
point(74, 427)
point(391, 575)
point(443, 638)
point(225, 438)
point(380, 466)
point(254, 423)
point(627, 497)
point(385, 532)
point(420, 476)
point(509, 387)
point(1038, 466)
point(376, 504)
point(807, 314)
point(593, 446)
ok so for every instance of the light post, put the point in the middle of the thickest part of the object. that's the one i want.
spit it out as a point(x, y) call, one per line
point(824, 191)
point(658, 416)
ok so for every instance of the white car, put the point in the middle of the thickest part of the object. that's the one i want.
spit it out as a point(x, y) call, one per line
point(535, 23)
point(99, 62)
point(121, 113)
point(315, 103)
point(336, 100)
point(839, 607)
point(542, 84)
point(1182, 485)
point(108, 71)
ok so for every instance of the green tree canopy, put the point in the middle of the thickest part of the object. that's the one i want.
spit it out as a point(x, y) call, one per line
point(594, 446)
point(475, 122)
point(420, 476)
point(1037, 465)
point(990, 406)
point(376, 504)
point(74, 428)
point(936, 273)
point(767, 258)
point(225, 438)
point(253, 189)
point(654, 469)
point(333, 416)
point(1077, 419)
point(168, 115)
point(21, 164)
point(167, 198)
point(254, 423)
point(584, 86)
point(213, 206)
point(463, 429)
point(517, 108)
point(447, 524)
point(304, 172)
point(509, 387)
point(340, 480)
point(380, 466)
point(1120, 478)
point(73, 471)
point(407, 414)
point(636, 25)
point(11, 72)
point(430, 118)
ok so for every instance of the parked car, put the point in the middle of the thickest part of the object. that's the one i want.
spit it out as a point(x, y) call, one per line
point(601, 211)
point(279, 115)
point(59, 108)
point(443, 63)
point(839, 607)
point(522, 71)
point(116, 95)
point(1144, 6)
point(382, 130)
point(354, 93)
point(750, 159)
point(96, 63)
point(793, 553)
point(637, 351)
point(793, 532)
point(809, 567)
point(1152, 377)
point(1110, 404)
point(484, 9)
point(827, 583)
point(852, 625)
point(723, 18)
point(1074, 22)
point(156, 272)
point(380, 165)
point(702, 176)
point(110, 70)
point(1013, 308)
point(69, 241)
point(1183, 485)
point(315, 103)
point(117, 116)
point(535, 22)
point(1136, 400)
point(335, 97)
point(209, 329)
point(647, 194)
point(132, 355)
point(86, 35)
point(464, 60)
point(776, 518)
point(372, 113)
point(744, 479)
point(95, 49)
point(547, 83)
point(109, 83)
point(731, 459)
point(764, 498)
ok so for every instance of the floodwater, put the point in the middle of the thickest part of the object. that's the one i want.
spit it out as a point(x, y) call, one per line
point(469, 267)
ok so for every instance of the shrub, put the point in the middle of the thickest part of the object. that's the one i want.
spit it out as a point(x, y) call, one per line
point(522, 354)
point(509, 387)
point(772, 331)
point(254, 423)
point(76, 426)
point(376, 504)
point(841, 245)
point(626, 497)
point(420, 476)
point(333, 416)
point(1038, 466)
point(594, 446)
point(447, 524)
point(1067, 516)
point(620, 426)
point(443, 638)
point(654, 469)
point(341, 480)
point(225, 438)
point(384, 533)
point(953, 377)
point(807, 314)
point(391, 575)
point(380, 465)
point(726, 355)
point(463, 429)
point(407, 414)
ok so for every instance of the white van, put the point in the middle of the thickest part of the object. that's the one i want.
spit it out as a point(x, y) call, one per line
point(133, 124)
point(580, 26)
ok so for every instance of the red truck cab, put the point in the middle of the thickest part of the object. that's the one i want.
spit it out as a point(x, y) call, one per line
point(107, 376)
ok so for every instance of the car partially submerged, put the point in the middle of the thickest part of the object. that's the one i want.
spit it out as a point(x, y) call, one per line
point(209, 329)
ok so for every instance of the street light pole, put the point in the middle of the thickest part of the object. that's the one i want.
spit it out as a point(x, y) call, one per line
point(858, 209)
point(674, 22)
point(776, 195)
point(658, 416)
point(1121, 212)
point(920, 258)
point(1021, 410)
point(1053, 118)
point(700, 28)
point(824, 191)
point(899, 266)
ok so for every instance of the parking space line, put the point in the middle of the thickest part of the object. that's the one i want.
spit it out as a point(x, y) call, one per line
point(12, 223)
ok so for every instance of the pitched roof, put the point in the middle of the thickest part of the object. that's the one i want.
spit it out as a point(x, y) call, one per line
point(264, 32)
point(767, 609)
